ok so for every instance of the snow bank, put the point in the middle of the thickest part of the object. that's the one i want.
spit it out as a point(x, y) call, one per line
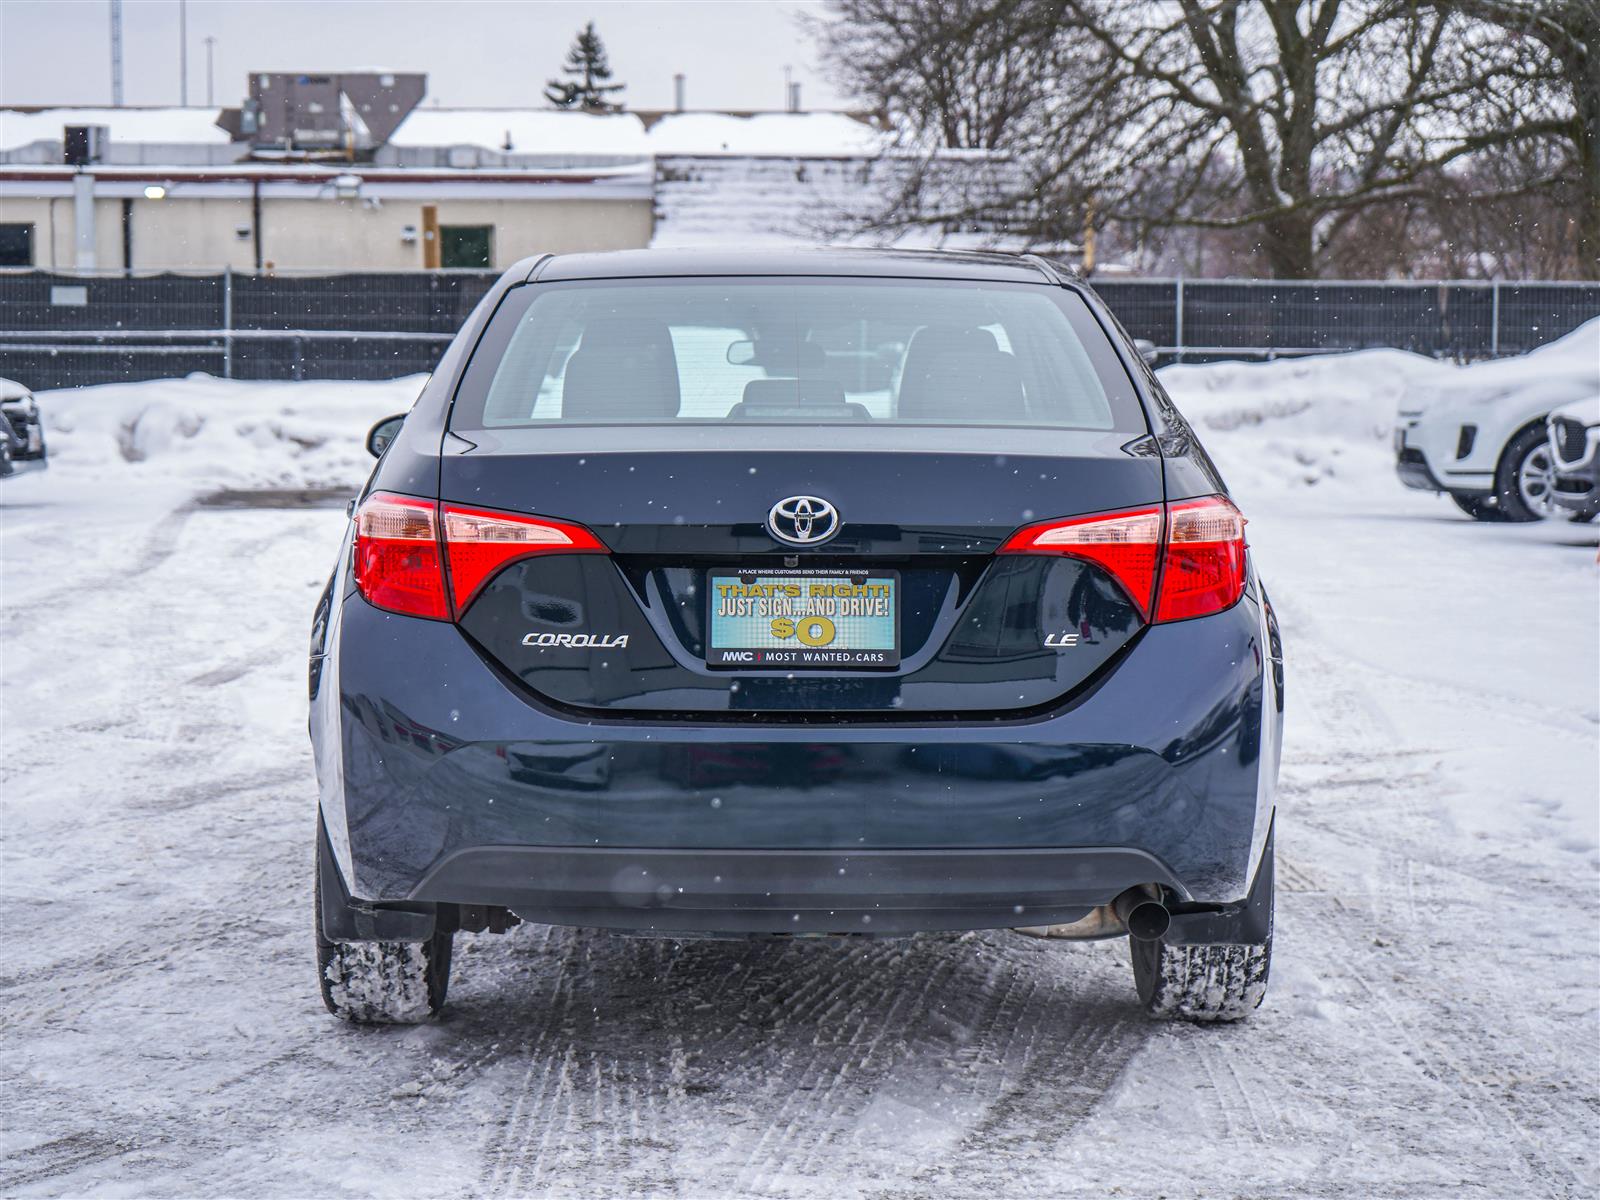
point(200, 434)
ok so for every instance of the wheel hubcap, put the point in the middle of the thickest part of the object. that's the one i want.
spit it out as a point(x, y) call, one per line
point(1536, 479)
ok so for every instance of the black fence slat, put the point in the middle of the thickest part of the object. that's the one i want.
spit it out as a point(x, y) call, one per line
point(165, 324)
point(1532, 314)
point(1145, 309)
point(393, 302)
point(45, 300)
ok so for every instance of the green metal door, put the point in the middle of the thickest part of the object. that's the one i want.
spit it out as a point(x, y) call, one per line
point(466, 245)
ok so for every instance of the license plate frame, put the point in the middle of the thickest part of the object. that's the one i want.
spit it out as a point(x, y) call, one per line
point(759, 651)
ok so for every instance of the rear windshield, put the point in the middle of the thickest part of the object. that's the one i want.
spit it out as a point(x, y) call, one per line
point(832, 351)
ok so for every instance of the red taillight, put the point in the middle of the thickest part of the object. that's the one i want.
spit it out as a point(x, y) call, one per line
point(1127, 544)
point(1202, 566)
point(480, 542)
point(397, 556)
point(397, 551)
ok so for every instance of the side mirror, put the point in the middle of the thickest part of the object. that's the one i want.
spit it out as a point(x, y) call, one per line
point(384, 432)
point(741, 353)
point(1146, 349)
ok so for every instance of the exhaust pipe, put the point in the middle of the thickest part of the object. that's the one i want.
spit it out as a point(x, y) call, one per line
point(1135, 912)
point(1146, 919)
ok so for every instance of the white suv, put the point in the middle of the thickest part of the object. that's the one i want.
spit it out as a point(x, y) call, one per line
point(1481, 438)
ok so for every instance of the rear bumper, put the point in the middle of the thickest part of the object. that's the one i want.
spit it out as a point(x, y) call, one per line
point(442, 781)
point(790, 891)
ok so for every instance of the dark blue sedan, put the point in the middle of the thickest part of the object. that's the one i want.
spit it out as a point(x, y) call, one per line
point(781, 594)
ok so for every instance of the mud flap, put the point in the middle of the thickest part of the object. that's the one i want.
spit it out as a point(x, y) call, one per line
point(1248, 923)
point(345, 920)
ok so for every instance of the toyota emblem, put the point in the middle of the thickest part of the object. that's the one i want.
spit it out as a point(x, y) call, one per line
point(803, 520)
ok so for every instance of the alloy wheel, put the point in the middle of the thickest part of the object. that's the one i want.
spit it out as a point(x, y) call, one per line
point(1536, 478)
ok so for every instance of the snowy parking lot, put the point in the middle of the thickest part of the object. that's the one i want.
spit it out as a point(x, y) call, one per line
point(1432, 1027)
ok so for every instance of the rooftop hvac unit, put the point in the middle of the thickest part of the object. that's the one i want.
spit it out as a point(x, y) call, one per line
point(323, 115)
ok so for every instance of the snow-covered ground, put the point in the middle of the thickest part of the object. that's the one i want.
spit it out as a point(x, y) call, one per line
point(1432, 1027)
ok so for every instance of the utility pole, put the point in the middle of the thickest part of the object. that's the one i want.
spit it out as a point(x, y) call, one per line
point(116, 53)
point(183, 53)
point(211, 43)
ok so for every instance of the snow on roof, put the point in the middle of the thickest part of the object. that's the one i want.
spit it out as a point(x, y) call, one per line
point(803, 135)
point(159, 126)
point(531, 130)
point(551, 131)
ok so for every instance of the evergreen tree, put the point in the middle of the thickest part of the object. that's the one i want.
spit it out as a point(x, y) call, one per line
point(588, 89)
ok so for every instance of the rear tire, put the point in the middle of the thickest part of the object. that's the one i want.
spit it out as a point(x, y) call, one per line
point(1200, 983)
point(1524, 482)
point(1213, 981)
point(381, 983)
point(1479, 508)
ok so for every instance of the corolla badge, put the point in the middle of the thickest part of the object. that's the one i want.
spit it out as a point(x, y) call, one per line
point(803, 520)
point(578, 641)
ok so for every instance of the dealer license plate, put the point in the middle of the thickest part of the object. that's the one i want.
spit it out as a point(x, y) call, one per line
point(803, 618)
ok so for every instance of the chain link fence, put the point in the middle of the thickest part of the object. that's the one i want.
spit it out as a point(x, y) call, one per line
point(69, 329)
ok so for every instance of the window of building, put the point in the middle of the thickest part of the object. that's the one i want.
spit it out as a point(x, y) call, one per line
point(466, 245)
point(16, 244)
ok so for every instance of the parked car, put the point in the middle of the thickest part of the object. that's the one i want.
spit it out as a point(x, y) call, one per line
point(22, 430)
point(1493, 460)
point(775, 594)
point(1574, 435)
point(1480, 438)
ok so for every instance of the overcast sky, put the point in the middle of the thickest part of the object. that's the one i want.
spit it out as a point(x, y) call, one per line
point(493, 53)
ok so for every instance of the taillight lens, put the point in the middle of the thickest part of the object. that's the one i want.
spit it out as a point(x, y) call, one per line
point(397, 556)
point(1202, 565)
point(479, 542)
point(1127, 544)
point(398, 565)
point(1204, 569)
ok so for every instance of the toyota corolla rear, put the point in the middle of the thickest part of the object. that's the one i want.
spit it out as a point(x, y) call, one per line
point(827, 596)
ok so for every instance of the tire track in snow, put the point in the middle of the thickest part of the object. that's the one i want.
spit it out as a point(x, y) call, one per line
point(58, 1157)
point(1010, 1151)
point(843, 1081)
point(790, 1050)
point(1394, 823)
point(158, 546)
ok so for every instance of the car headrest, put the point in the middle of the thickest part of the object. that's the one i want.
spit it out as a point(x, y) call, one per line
point(623, 368)
point(960, 374)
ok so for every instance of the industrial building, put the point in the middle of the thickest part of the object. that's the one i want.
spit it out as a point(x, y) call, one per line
point(354, 172)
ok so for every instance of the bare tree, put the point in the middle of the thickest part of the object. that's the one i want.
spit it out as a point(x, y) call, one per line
point(1284, 119)
point(967, 71)
point(1540, 60)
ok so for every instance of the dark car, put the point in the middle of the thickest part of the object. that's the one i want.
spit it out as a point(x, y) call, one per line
point(808, 593)
point(21, 427)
